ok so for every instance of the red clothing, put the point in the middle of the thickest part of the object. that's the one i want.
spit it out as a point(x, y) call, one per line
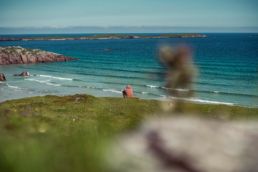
point(129, 91)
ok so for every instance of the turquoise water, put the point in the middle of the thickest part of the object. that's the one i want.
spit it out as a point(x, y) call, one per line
point(227, 66)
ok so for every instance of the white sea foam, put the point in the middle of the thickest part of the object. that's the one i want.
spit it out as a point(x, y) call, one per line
point(177, 89)
point(14, 87)
point(52, 84)
point(210, 101)
point(152, 86)
point(163, 96)
point(47, 82)
point(165, 88)
point(36, 80)
point(112, 90)
point(143, 92)
point(182, 89)
point(203, 101)
point(55, 77)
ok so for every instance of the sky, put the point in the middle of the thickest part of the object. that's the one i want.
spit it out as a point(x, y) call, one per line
point(128, 13)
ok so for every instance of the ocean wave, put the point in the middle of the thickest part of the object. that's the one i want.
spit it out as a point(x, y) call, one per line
point(78, 86)
point(149, 86)
point(55, 77)
point(112, 90)
point(222, 64)
point(158, 79)
point(152, 86)
point(52, 84)
point(161, 70)
point(177, 89)
point(210, 101)
point(147, 79)
point(198, 100)
point(211, 92)
point(185, 90)
point(14, 87)
point(163, 96)
point(121, 69)
point(36, 80)
point(47, 82)
point(226, 93)
point(115, 76)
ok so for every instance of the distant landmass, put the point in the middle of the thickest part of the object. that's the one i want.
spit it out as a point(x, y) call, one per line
point(102, 36)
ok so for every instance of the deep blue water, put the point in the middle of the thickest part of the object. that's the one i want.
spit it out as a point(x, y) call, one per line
point(227, 65)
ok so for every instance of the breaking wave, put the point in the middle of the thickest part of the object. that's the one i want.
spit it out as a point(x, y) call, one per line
point(14, 87)
point(47, 82)
point(55, 77)
point(112, 90)
point(152, 86)
point(198, 100)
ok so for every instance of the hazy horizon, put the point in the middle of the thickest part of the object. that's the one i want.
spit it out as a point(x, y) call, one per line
point(120, 16)
point(123, 29)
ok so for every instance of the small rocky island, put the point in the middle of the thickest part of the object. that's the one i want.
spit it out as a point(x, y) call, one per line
point(19, 55)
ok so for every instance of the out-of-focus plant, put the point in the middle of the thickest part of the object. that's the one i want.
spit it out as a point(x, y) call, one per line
point(180, 72)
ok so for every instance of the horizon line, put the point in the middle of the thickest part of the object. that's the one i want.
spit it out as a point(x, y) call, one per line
point(126, 29)
point(125, 26)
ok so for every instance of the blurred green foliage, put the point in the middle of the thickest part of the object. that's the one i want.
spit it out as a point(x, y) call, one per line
point(72, 133)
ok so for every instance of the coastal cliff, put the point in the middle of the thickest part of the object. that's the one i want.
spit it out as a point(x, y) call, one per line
point(19, 55)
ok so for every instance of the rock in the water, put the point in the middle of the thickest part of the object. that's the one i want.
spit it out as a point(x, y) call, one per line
point(2, 77)
point(188, 145)
point(19, 55)
point(25, 73)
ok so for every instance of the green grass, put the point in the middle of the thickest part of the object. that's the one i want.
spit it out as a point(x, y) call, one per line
point(71, 133)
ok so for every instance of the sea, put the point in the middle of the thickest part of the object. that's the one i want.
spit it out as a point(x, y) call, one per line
point(227, 68)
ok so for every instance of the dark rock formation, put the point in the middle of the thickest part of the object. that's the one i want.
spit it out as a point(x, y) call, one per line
point(2, 77)
point(19, 55)
point(25, 73)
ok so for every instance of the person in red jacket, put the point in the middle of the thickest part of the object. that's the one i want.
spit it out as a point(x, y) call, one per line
point(128, 91)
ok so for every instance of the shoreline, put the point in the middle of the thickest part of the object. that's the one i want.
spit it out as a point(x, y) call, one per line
point(105, 92)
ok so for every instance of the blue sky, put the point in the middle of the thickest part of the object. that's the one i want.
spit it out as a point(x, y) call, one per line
point(175, 13)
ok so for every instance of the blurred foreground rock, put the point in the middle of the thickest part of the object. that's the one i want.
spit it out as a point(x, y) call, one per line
point(188, 145)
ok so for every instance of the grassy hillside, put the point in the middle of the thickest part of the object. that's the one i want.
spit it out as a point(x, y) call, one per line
point(71, 133)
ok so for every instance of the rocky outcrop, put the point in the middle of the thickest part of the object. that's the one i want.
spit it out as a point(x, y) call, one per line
point(2, 77)
point(24, 74)
point(18, 55)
